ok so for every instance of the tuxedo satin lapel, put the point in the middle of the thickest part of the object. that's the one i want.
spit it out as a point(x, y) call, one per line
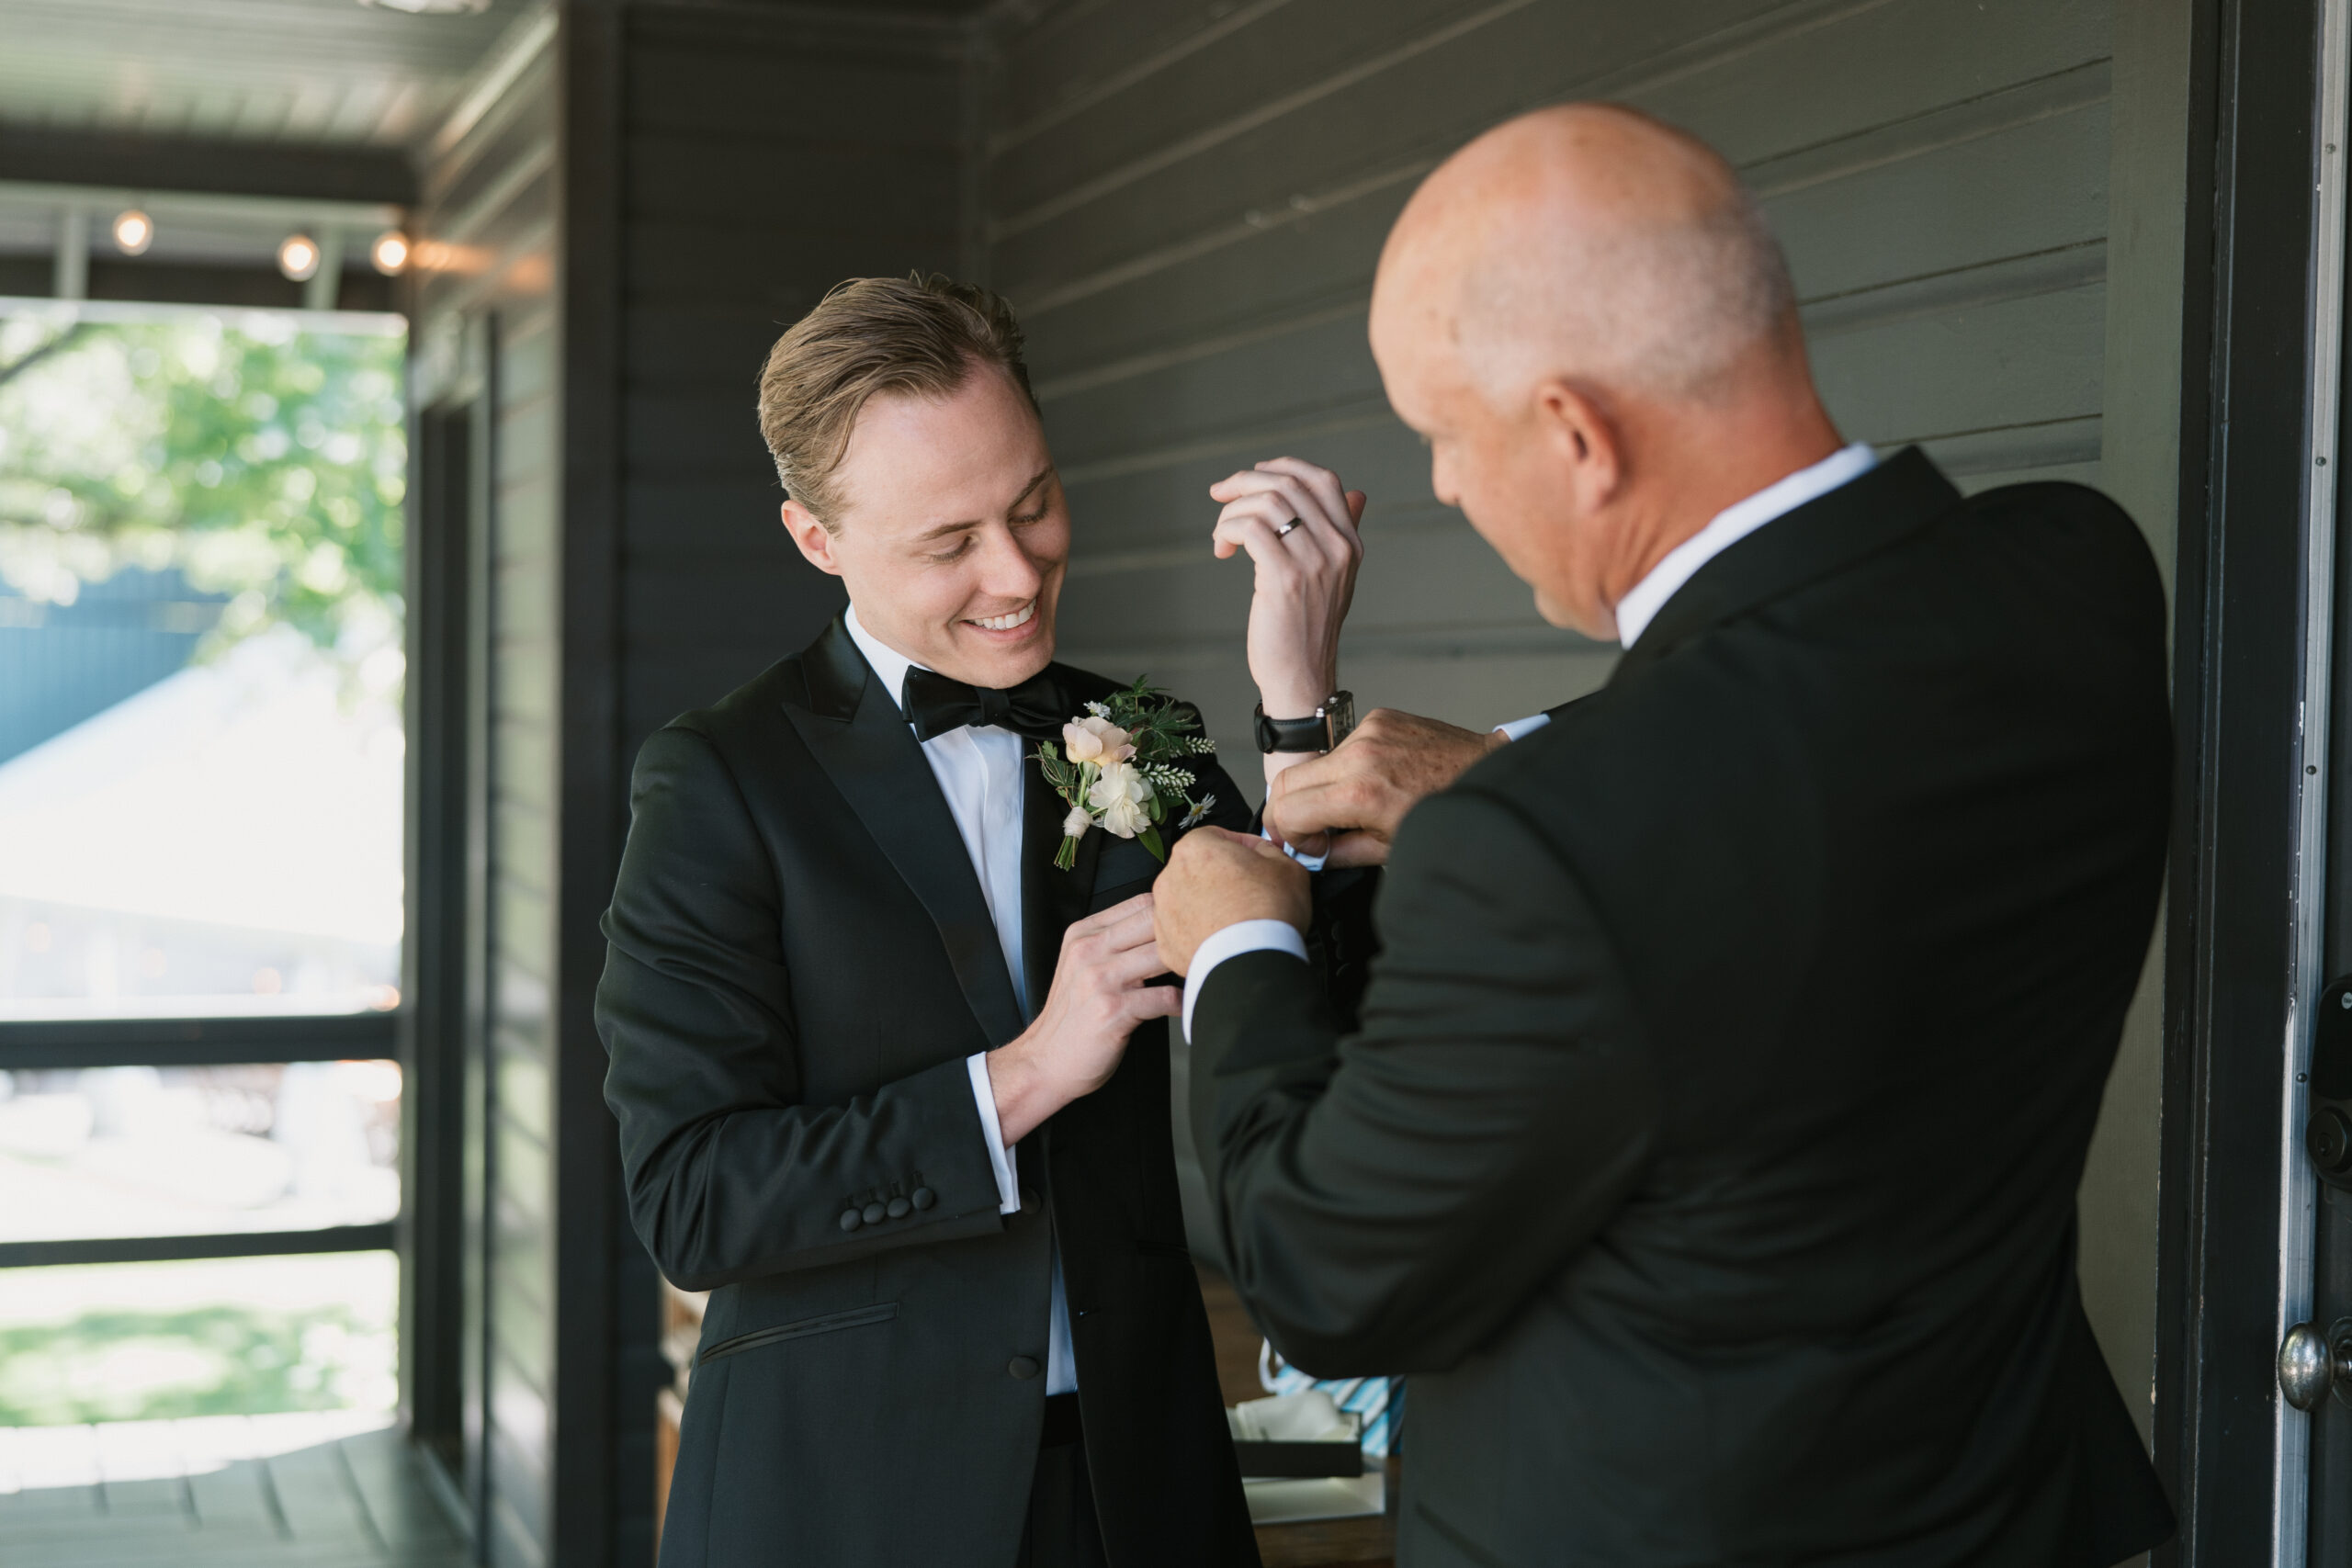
point(1050, 897)
point(835, 673)
point(872, 758)
point(1825, 535)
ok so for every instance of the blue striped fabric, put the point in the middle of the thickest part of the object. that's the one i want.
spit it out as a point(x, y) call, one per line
point(1379, 1403)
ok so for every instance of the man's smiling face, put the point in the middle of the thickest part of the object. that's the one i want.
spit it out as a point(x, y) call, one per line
point(952, 535)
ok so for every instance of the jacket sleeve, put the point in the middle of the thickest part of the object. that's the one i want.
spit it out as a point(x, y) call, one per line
point(1391, 1198)
point(730, 1174)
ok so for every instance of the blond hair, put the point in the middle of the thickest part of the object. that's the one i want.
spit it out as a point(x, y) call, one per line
point(923, 335)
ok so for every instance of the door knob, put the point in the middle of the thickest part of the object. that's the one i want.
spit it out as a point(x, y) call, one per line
point(2312, 1361)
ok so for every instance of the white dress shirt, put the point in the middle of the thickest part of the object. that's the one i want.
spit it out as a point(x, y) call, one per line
point(978, 770)
point(1734, 523)
point(1634, 612)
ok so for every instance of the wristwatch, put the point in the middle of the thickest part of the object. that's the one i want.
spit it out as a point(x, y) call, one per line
point(1320, 732)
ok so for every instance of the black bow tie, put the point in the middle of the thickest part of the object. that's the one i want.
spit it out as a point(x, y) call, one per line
point(935, 703)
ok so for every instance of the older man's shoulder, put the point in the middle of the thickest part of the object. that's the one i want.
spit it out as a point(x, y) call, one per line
point(1609, 742)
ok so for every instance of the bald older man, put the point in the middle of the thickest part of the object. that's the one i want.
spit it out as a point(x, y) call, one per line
point(1708, 1147)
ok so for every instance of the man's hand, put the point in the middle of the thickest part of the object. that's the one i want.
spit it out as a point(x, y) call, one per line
point(1216, 879)
point(1360, 793)
point(1305, 578)
point(1076, 1041)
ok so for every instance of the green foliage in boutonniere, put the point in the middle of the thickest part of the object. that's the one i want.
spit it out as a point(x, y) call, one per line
point(1122, 771)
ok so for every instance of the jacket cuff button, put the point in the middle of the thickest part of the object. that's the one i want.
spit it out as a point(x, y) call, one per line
point(1023, 1367)
point(850, 1220)
point(925, 1197)
point(874, 1213)
point(900, 1207)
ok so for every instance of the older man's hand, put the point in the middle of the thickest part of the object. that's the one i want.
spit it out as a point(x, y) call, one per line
point(1358, 794)
point(1216, 879)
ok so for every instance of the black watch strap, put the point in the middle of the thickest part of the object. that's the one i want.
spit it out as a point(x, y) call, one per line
point(1318, 731)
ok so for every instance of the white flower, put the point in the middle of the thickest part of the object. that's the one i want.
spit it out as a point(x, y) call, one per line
point(1075, 825)
point(1120, 796)
point(1097, 740)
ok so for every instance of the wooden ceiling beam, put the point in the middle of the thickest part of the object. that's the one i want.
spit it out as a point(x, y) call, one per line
point(34, 154)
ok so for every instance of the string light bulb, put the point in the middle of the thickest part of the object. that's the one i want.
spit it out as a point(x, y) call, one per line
point(389, 253)
point(297, 257)
point(133, 232)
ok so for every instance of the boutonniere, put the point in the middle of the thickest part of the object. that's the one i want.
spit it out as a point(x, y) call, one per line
point(1119, 768)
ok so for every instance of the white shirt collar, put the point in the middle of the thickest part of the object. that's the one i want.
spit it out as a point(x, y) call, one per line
point(1734, 523)
point(888, 661)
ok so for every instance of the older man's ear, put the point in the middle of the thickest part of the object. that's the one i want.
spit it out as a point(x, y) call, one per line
point(1215, 879)
point(1359, 792)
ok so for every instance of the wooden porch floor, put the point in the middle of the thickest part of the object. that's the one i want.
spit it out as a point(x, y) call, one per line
point(329, 1491)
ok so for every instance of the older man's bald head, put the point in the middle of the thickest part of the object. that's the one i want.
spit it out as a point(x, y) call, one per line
point(1589, 243)
point(1586, 317)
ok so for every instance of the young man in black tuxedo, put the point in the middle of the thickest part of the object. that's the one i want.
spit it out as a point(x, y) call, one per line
point(891, 1086)
point(1707, 1151)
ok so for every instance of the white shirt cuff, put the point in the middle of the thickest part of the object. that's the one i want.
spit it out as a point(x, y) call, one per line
point(1231, 942)
point(1312, 863)
point(1520, 729)
point(1008, 1186)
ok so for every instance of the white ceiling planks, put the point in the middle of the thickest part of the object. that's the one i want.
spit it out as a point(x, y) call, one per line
point(321, 72)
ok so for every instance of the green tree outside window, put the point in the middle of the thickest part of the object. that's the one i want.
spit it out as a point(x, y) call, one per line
point(267, 462)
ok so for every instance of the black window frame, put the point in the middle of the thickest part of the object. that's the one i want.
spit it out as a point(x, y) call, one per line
point(32, 1046)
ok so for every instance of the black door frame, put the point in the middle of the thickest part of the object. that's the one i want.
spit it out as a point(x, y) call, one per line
point(449, 468)
point(2243, 765)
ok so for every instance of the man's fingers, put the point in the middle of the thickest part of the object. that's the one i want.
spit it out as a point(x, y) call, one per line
point(1322, 482)
point(1134, 965)
point(1132, 927)
point(1127, 909)
point(1314, 772)
point(1213, 843)
point(1102, 921)
point(1155, 1001)
point(1262, 480)
point(1251, 534)
point(1311, 502)
point(1351, 850)
point(1336, 807)
point(1279, 508)
point(1261, 538)
point(1317, 846)
point(1312, 808)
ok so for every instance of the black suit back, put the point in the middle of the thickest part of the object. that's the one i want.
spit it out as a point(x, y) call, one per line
point(1811, 937)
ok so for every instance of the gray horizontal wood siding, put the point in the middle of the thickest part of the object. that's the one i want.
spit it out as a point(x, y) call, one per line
point(767, 158)
point(1186, 204)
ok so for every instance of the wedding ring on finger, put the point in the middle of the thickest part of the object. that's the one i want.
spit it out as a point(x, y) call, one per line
point(1283, 530)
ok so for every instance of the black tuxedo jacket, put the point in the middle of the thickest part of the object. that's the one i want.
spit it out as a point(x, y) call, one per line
point(1710, 1142)
point(800, 959)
